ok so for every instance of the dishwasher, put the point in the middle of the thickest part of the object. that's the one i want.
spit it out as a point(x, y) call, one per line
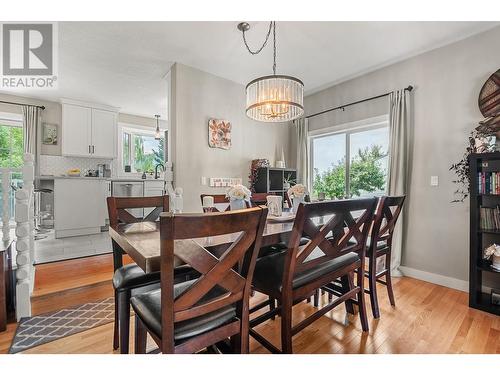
point(129, 189)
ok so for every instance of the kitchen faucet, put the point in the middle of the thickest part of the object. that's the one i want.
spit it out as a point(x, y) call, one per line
point(156, 170)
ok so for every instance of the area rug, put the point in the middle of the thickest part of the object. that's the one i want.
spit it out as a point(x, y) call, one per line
point(45, 328)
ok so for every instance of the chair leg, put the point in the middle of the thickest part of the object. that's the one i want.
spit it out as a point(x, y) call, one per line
point(124, 318)
point(286, 326)
point(272, 306)
point(361, 300)
point(372, 285)
point(316, 298)
point(140, 337)
point(116, 332)
point(346, 286)
point(388, 280)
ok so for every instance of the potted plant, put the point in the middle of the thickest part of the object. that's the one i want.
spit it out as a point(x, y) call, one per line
point(493, 252)
point(238, 195)
point(288, 181)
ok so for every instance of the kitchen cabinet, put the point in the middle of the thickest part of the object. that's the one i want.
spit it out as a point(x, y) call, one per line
point(151, 189)
point(79, 206)
point(88, 130)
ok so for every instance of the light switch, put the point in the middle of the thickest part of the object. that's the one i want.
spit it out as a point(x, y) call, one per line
point(434, 181)
point(203, 181)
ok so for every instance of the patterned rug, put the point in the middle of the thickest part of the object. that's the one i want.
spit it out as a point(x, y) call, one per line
point(45, 328)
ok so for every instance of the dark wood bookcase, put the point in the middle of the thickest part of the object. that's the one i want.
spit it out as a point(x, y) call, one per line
point(479, 268)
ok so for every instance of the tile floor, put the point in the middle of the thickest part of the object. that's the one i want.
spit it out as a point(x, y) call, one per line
point(51, 249)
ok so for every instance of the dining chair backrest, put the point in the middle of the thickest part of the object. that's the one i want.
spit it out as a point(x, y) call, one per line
point(259, 198)
point(119, 208)
point(218, 199)
point(334, 228)
point(232, 271)
point(385, 219)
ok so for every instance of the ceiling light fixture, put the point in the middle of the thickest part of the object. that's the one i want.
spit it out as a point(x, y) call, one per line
point(272, 98)
point(157, 132)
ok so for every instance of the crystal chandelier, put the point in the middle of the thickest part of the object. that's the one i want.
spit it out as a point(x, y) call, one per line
point(273, 98)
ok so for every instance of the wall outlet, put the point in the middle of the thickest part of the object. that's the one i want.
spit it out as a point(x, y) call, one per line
point(203, 181)
point(434, 180)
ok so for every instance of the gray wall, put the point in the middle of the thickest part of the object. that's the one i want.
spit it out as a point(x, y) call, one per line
point(447, 83)
point(196, 97)
point(53, 115)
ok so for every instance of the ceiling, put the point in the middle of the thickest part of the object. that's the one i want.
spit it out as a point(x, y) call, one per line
point(124, 64)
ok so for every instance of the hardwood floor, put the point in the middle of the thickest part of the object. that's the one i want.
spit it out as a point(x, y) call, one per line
point(427, 319)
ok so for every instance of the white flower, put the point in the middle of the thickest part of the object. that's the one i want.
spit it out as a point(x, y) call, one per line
point(238, 192)
point(297, 191)
point(492, 250)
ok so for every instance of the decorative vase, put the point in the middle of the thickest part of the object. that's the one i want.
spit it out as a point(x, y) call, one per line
point(295, 203)
point(495, 262)
point(237, 204)
point(286, 185)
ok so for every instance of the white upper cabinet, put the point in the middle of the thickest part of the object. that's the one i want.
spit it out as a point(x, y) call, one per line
point(88, 130)
point(76, 130)
point(104, 131)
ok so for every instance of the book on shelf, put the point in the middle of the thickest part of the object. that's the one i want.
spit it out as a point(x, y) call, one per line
point(488, 182)
point(489, 218)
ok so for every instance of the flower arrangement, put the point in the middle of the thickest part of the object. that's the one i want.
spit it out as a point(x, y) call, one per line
point(256, 164)
point(297, 191)
point(239, 192)
point(493, 252)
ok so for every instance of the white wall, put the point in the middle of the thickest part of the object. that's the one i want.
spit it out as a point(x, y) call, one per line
point(447, 83)
point(196, 97)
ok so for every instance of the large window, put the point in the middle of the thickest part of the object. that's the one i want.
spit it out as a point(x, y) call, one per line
point(351, 163)
point(11, 155)
point(140, 151)
point(11, 144)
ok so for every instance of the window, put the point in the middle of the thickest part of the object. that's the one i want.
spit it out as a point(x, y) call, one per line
point(140, 151)
point(351, 163)
point(11, 144)
point(11, 155)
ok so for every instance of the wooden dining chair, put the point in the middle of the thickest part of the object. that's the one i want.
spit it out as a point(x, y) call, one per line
point(380, 245)
point(187, 317)
point(258, 199)
point(292, 276)
point(129, 277)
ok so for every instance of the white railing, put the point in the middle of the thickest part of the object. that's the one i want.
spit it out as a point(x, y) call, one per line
point(18, 205)
point(25, 240)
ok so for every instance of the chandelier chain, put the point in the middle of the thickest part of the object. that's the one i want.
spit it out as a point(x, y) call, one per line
point(272, 27)
point(257, 51)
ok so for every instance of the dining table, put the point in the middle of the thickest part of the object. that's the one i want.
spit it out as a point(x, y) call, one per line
point(141, 240)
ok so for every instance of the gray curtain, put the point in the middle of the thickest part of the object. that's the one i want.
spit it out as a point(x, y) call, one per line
point(301, 130)
point(399, 154)
point(32, 123)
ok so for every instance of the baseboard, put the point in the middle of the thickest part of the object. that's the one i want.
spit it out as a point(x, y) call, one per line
point(434, 278)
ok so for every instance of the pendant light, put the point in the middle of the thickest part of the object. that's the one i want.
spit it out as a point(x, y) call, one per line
point(158, 132)
point(276, 97)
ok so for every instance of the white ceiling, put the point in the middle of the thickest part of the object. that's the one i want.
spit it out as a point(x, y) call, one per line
point(124, 64)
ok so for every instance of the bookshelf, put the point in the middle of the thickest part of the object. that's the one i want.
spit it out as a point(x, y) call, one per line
point(483, 231)
point(270, 180)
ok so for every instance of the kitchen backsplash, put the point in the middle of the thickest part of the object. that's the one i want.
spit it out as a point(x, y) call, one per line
point(58, 165)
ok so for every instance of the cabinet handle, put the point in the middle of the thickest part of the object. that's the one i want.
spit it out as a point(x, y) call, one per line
point(89, 150)
point(93, 149)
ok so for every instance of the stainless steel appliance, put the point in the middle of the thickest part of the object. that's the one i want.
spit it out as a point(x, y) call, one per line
point(129, 189)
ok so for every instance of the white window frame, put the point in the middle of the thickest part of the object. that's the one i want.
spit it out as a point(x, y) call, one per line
point(348, 129)
point(137, 129)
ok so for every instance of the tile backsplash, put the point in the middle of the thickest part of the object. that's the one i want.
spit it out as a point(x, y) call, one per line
point(58, 165)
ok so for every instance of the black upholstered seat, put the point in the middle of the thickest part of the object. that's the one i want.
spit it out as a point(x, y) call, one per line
point(131, 275)
point(268, 274)
point(148, 307)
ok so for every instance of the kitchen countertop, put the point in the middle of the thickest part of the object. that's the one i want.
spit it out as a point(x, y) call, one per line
point(117, 179)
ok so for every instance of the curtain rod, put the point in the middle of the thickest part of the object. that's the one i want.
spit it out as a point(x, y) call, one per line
point(13, 103)
point(409, 88)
